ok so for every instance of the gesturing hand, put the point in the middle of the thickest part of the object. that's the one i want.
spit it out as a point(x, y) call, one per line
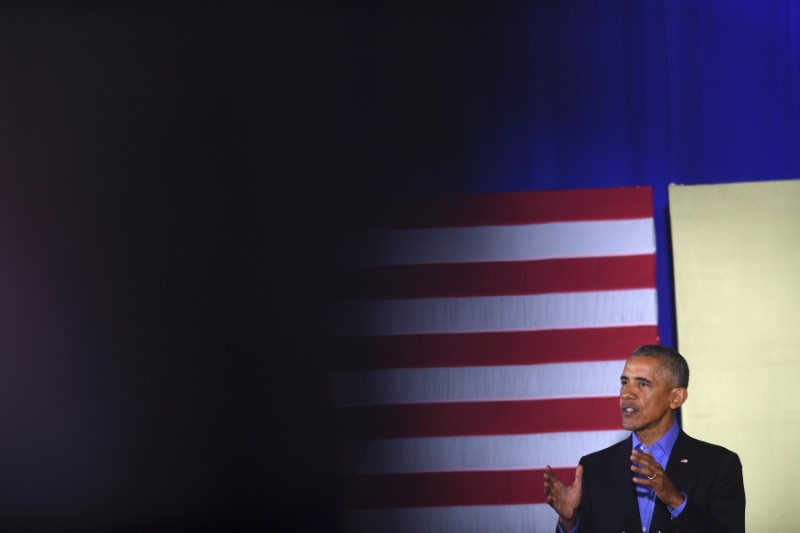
point(564, 499)
point(655, 478)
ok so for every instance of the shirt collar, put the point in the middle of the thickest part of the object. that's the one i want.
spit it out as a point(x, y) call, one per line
point(666, 442)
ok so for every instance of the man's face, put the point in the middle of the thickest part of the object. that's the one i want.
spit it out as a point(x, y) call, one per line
point(645, 396)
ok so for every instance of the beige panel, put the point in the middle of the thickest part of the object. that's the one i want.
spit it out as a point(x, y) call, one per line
point(737, 280)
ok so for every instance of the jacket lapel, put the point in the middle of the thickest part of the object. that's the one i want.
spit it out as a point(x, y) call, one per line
point(622, 482)
point(678, 463)
point(676, 470)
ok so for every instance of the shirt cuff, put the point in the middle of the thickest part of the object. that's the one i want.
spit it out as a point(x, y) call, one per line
point(678, 510)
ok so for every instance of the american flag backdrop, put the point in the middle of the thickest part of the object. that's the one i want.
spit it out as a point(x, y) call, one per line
point(479, 339)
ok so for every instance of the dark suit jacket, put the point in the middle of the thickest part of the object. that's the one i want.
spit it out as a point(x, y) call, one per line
point(710, 475)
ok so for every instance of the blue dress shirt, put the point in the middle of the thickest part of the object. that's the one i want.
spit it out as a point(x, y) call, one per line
point(660, 450)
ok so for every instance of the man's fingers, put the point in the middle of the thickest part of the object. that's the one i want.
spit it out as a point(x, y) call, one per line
point(647, 472)
point(578, 475)
point(644, 464)
point(549, 476)
point(642, 458)
point(549, 482)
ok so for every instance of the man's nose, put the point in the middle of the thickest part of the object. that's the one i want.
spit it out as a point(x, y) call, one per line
point(626, 391)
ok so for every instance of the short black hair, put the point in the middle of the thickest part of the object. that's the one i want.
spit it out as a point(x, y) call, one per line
point(673, 362)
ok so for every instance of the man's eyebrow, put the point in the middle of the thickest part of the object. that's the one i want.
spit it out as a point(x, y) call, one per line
point(639, 379)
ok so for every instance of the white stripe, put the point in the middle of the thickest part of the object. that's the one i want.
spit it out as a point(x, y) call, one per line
point(501, 243)
point(481, 452)
point(494, 313)
point(535, 518)
point(477, 383)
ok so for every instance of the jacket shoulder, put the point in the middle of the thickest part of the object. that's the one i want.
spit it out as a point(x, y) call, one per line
point(700, 447)
point(602, 456)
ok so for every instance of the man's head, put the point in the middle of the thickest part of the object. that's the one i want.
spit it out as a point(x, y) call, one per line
point(672, 363)
point(652, 387)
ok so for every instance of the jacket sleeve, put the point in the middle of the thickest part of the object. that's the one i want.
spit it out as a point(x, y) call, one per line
point(585, 509)
point(724, 509)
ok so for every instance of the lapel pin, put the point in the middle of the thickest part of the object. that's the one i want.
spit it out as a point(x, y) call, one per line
point(684, 461)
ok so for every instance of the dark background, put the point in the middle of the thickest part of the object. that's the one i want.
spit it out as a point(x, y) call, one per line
point(172, 178)
point(157, 246)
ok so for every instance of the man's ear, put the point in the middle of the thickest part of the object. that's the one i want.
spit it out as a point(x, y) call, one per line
point(677, 396)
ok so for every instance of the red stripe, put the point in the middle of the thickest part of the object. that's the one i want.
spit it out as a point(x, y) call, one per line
point(490, 349)
point(438, 489)
point(478, 418)
point(497, 278)
point(530, 207)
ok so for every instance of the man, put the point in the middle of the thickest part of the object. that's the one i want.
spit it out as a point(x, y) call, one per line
point(659, 478)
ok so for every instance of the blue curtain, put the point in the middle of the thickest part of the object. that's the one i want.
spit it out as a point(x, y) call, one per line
point(559, 95)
